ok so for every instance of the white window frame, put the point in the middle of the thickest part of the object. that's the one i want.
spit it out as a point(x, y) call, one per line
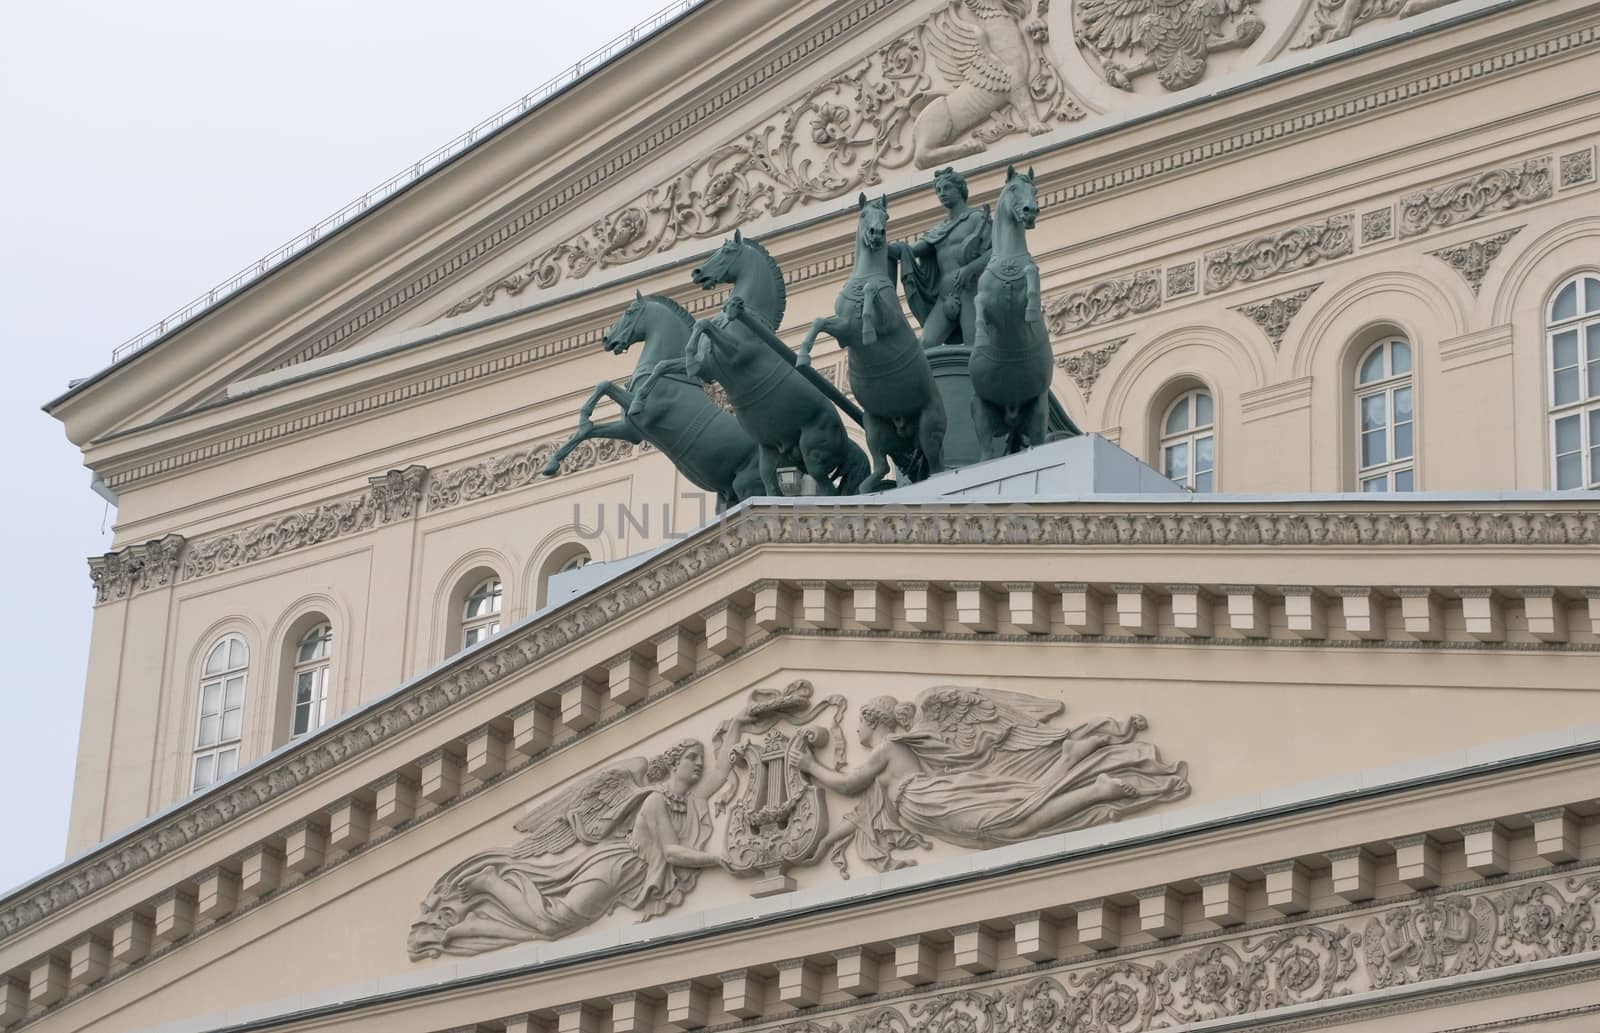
point(1392, 469)
point(315, 672)
point(482, 625)
point(1585, 409)
point(1191, 437)
point(219, 711)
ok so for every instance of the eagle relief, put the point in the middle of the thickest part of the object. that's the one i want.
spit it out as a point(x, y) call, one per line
point(971, 767)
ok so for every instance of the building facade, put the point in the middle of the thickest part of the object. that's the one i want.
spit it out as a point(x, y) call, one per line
point(1309, 745)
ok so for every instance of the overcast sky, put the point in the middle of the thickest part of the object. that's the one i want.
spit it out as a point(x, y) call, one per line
point(151, 150)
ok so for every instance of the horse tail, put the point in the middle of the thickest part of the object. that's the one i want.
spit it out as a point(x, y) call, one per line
point(855, 469)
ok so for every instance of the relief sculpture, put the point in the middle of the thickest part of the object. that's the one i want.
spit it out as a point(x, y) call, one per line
point(970, 767)
point(1130, 38)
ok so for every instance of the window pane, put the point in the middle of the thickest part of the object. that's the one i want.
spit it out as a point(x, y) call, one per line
point(1371, 366)
point(1569, 435)
point(1564, 349)
point(1566, 303)
point(1202, 410)
point(233, 694)
point(1591, 294)
point(1569, 471)
point(211, 698)
point(1372, 484)
point(1402, 404)
point(1374, 449)
point(1177, 462)
point(1178, 417)
point(207, 735)
point(1373, 412)
point(227, 763)
point(1202, 481)
point(231, 724)
point(1400, 358)
point(1403, 480)
point(1203, 462)
point(302, 717)
point(1402, 441)
point(303, 686)
point(202, 770)
point(238, 655)
point(1566, 386)
point(217, 659)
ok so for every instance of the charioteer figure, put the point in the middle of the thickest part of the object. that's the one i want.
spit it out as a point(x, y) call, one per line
point(940, 271)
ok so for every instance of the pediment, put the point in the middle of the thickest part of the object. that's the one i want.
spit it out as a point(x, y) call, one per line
point(897, 692)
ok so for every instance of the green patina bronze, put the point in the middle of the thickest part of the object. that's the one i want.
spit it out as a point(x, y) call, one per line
point(889, 372)
point(1011, 363)
point(671, 411)
point(940, 271)
point(791, 417)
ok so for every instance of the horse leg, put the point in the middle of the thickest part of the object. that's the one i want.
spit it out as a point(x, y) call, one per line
point(1034, 422)
point(748, 479)
point(881, 440)
point(990, 421)
point(769, 471)
point(930, 433)
point(830, 325)
point(617, 430)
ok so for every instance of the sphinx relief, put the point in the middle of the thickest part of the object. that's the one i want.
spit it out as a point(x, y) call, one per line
point(970, 767)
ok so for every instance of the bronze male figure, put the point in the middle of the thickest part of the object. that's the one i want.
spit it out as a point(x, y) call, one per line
point(940, 271)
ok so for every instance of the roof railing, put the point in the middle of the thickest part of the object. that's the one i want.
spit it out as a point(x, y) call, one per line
point(413, 172)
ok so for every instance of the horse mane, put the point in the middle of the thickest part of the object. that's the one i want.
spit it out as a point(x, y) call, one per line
point(672, 306)
point(777, 279)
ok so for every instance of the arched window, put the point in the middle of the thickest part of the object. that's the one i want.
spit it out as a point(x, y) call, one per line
point(1189, 441)
point(313, 658)
point(221, 718)
point(1573, 332)
point(480, 615)
point(568, 557)
point(1385, 418)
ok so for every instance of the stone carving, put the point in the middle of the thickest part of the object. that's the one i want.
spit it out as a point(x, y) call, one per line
point(1281, 252)
point(980, 768)
point(1472, 197)
point(782, 815)
point(1172, 40)
point(1473, 258)
point(280, 535)
point(1577, 168)
point(704, 441)
point(940, 271)
point(516, 649)
point(398, 493)
point(902, 409)
point(1085, 367)
point(784, 405)
point(1011, 365)
point(975, 72)
point(1377, 225)
point(1330, 20)
point(1180, 280)
point(1273, 315)
point(1104, 302)
point(631, 836)
point(119, 574)
point(519, 469)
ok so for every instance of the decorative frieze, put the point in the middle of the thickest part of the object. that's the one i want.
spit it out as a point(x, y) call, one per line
point(1285, 251)
point(1330, 20)
point(1473, 258)
point(1104, 302)
point(1181, 281)
point(1577, 168)
point(1273, 315)
point(1377, 225)
point(1085, 367)
point(521, 468)
point(118, 575)
point(1474, 196)
point(1128, 40)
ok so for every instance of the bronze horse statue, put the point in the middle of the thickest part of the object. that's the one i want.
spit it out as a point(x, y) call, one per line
point(1011, 363)
point(672, 412)
point(789, 415)
point(889, 371)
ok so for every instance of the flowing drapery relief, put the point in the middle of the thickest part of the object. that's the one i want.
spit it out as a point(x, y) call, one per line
point(972, 73)
point(971, 767)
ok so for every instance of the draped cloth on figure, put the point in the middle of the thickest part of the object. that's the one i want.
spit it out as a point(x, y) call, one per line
point(502, 897)
point(989, 764)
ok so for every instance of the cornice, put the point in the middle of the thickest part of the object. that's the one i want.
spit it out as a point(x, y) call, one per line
point(1171, 162)
point(1248, 523)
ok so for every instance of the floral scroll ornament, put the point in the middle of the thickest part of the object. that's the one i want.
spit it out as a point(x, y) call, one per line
point(838, 137)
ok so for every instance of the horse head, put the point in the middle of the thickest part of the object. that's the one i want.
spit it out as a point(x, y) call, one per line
point(723, 264)
point(872, 227)
point(628, 330)
point(1019, 199)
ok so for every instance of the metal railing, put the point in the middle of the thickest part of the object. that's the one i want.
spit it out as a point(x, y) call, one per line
point(415, 171)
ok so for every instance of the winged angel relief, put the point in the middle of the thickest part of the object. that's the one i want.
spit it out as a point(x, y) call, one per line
point(974, 72)
point(967, 766)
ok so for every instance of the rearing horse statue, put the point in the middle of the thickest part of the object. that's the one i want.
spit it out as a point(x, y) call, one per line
point(889, 371)
point(1011, 363)
point(672, 412)
point(787, 414)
